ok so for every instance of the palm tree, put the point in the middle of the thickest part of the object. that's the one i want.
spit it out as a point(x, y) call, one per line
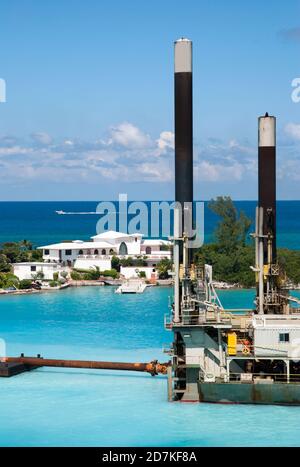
point(25, 244)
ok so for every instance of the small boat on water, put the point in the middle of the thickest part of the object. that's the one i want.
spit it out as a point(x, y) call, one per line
point(77, 213)
point(132, 287)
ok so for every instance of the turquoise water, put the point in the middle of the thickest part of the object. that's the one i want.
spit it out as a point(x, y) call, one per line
point(59, 407)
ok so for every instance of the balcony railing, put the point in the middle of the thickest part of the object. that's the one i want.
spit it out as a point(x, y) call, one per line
point(94, 257)
point(157, 255)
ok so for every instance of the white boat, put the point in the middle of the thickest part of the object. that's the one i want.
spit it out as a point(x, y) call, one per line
point(132, 286)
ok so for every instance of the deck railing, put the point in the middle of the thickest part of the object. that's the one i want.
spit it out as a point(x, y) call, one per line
point(265, 377)
point(199, 319)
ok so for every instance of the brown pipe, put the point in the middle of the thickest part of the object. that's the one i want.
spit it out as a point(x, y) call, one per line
point(153, 367)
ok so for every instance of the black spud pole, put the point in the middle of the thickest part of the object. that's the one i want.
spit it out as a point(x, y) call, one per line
point(267, 179)
point(183, 131)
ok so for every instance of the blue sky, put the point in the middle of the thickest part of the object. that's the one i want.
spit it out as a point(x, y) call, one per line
point(89, 105)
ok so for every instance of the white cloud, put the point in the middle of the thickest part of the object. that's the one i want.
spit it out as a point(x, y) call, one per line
point(212, 172)
point(129, 136)
point(131, 156)
point(42, 137)
point(293, 130)
point(15, 150)
point(166, 140)
point(158, 171)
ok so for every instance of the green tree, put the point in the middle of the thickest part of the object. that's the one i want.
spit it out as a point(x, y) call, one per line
point(8, 280)
point(163, 267)
point(230, 267)
point(230, 256)
point(5, 265)
point(38, 276)
point(36, 255)
point(232, 229)
point(13, 252)
point(25, 245)
point(115, 263)
point(289, 260)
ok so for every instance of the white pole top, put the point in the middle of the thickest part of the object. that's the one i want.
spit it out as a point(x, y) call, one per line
point(266, 131)
point(183, 55)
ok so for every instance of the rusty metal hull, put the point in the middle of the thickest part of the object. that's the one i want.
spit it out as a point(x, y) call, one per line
point(13, 369)
point(250, 393)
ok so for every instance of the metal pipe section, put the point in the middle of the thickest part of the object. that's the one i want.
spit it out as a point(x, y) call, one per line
point(261, 261)
point(153, 367)
point(267, 180)
point(176, 259)
point(256, 236)
point(183, 126)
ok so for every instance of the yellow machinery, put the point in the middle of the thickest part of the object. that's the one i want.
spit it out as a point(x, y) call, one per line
point(232, 343)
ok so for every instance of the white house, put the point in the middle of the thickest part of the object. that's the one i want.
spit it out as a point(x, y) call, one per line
point(102, 247)
point(29, 270)
point(156, 250)
point(123, 244)
point(130, 272)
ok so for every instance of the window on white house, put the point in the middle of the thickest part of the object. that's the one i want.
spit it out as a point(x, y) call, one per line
point(32, 268)
point(103, 252)
point(68, 252)
point(123, 249)
point(284, 337)
point(46, 252)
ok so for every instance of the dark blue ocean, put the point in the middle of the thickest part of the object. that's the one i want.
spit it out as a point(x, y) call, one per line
point(38, 222)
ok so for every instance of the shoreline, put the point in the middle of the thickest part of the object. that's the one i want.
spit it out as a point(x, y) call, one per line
point(82, 283)
point(111, 283)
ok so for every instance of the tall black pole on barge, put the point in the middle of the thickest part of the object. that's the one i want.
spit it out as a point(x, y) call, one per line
point(183, 100)
point(267, 180)
point(269, 298)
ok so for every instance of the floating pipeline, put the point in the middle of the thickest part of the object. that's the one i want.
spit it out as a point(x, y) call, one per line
point(10, 366)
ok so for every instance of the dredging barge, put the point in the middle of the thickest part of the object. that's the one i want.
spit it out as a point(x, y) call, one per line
point(229, 356)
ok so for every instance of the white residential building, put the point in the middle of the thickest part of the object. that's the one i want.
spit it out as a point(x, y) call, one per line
point(102, 247)
point(30, 270)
